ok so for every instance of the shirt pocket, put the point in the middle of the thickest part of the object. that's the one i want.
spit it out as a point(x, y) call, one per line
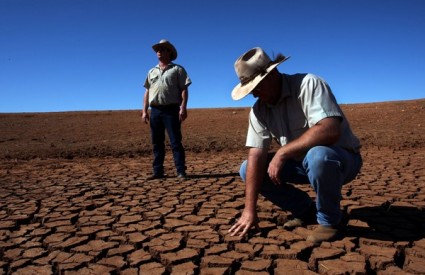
point(153, 79)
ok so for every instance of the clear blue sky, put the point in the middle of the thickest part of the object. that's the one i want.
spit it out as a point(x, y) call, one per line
point(73, 55)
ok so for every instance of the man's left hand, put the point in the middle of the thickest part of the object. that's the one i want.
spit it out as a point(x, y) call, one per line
point(182, 114)
point(274, 169)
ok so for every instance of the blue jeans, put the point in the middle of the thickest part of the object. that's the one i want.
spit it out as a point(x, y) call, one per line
point(326, 169)
point(166, 118)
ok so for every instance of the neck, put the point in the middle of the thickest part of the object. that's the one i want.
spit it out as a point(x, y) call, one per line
point(163, 64)
point(164, 61)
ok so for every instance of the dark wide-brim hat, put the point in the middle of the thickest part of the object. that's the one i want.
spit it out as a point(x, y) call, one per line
point(166, 44)
point(251, 68)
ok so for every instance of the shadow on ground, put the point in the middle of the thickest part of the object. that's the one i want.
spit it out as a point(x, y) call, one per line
point(208, 176)
point(389, 223)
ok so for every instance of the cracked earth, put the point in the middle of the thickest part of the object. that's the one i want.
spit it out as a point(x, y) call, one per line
point(75, 199)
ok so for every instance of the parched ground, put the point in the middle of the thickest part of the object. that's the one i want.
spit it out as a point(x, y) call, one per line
point(75, 199)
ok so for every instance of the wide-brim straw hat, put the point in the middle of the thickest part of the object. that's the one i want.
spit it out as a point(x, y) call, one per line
point(251, 68)
point(165, 43)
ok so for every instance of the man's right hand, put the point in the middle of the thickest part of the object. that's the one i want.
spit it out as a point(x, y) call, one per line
point(244, 223)
point(145, 116)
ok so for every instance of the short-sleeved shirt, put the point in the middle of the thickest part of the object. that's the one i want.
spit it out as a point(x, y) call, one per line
point(165, 86)
point(305, 100)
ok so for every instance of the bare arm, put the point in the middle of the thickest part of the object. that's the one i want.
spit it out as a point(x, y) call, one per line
point(254, 177)
point(145, 113)
point(325, 132)
point(183, 106)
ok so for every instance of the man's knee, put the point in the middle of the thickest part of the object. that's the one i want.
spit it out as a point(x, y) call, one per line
point(321, 159)
point(242, 170)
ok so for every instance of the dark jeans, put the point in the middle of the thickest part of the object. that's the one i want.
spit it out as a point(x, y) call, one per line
point(166, 118)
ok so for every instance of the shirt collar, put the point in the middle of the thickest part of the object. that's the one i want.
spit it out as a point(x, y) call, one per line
point(170, 65)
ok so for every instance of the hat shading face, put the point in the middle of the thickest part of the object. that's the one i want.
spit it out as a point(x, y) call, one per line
point(251, 68)
point(165, 44)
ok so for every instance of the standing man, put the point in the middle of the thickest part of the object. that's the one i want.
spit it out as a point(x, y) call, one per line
point(317, 146)
point(167, 95)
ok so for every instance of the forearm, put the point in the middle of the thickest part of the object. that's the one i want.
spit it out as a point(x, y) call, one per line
point(325, 132)
point(254, 176)
point(146, 101)
point(185, 98)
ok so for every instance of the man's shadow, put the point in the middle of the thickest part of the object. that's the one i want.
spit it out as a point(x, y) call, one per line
point(201, 176)
point(387, 223)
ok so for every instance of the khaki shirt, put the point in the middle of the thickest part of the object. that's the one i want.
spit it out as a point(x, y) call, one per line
point(165, 87)
point(306, 99)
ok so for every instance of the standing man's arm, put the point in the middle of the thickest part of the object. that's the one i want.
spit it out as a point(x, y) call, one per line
point(183, 106)
point(145, 113)
point(255, 172)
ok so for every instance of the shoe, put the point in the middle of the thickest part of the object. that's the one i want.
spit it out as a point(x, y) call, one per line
point(324, 233)
point(181, 175)
point(156, 176)
point(294, 223)
point(309, 217)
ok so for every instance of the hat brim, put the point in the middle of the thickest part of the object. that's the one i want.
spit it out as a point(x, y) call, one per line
point(169, 46)
point(241, 91)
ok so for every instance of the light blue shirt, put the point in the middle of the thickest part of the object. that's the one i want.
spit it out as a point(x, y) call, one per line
point(305, 100)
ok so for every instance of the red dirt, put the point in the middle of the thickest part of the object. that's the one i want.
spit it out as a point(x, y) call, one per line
point(74, 198)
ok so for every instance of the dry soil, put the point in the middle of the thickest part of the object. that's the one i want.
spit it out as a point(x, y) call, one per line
point(75, 199)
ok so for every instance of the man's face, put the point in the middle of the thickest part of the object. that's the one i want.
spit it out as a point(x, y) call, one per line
point(267, 90)
point(163, 53)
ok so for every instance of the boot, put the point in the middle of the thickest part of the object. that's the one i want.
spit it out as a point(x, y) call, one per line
point(309, 217)
point(324, 233)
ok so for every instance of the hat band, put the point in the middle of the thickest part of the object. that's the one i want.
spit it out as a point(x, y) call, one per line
point(262, 70)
